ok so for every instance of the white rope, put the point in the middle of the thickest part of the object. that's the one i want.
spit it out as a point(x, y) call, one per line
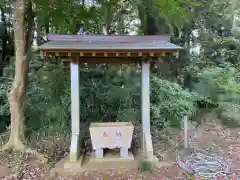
point(202, 165)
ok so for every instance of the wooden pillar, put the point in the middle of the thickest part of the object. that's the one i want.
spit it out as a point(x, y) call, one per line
point(145, 110)
point(75, 111)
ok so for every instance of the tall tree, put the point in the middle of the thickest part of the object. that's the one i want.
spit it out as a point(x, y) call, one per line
point(162, 16)
point(23, 36)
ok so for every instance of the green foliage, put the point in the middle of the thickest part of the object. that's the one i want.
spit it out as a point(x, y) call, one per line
point(46, 96)
point(108, 93)
point(5, 84)
point(220, 49)
point(45, 103)
point(112, 93)
point(229, 113)
point(176, 12)
point(170, 102)
point(218, 83)
point(146, 165)
point(221, 86)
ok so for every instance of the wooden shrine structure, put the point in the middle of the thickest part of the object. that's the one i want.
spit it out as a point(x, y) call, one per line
point(109, 49)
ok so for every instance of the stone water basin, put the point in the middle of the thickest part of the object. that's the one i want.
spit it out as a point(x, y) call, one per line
point(111, 135)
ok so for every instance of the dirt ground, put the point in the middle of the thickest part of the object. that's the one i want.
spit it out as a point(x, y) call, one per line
point(34, 171)
point(210, 136)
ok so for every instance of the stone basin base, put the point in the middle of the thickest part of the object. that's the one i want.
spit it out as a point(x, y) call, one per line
point(90, 163)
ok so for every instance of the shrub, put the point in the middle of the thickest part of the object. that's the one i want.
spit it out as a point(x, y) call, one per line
point(229, 113)
point(107, 94)
point(221, 87)
point(146, 166)
point(170, 102)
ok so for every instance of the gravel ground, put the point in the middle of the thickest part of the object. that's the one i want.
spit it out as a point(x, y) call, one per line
point(30, 172)
point(209, 136)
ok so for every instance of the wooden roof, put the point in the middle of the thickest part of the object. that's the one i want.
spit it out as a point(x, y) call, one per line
point(96, 46)
point(111, 38)
point(109, 46)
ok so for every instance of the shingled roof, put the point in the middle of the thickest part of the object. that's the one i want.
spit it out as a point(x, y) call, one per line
point(109, 45)
point(105, 46)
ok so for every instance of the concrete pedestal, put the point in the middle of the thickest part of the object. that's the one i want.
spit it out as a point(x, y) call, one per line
point(91, 163)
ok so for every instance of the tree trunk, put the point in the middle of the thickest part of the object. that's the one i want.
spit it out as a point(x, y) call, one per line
point(16, 96)
point(46, 26)
point(150, 25)
point(38, 31)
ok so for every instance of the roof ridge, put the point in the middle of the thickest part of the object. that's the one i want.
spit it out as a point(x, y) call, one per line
point(115, 38)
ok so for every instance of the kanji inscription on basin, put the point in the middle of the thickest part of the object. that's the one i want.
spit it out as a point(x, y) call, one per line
point(105, 134)
point(118, 134)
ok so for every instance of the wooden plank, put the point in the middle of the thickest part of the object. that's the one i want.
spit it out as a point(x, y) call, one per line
point(99, 54)
point(104, 57)
point(109, 60)
point(75, 100)
point(41, 54)
point(176, 54)
point(145, 99)
point(107, 53)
